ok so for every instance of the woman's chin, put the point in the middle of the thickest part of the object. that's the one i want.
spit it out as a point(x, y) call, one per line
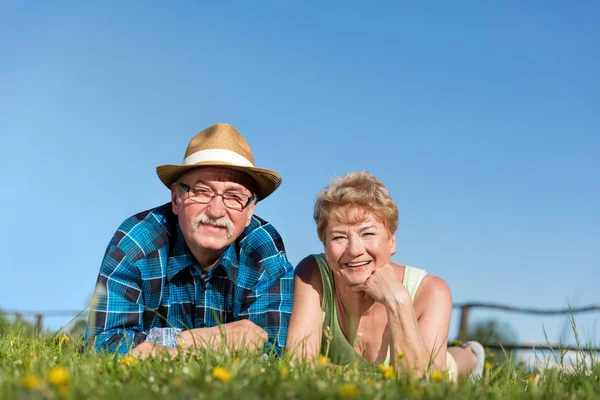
point(356, 278)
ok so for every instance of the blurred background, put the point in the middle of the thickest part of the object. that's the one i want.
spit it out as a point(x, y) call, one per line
point(482, 119)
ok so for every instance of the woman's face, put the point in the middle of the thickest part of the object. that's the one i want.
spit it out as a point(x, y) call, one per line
point(355, 250)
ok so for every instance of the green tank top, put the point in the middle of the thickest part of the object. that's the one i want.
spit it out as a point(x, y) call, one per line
point(340, 350)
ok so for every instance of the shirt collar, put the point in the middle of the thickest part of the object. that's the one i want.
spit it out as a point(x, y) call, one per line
point(180, 257)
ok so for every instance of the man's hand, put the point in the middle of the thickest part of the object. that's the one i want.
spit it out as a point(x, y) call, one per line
point(149, 349)
point(243, 334)
point(384, 287)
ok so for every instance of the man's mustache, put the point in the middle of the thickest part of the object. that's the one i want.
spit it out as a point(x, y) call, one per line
point(222, 222)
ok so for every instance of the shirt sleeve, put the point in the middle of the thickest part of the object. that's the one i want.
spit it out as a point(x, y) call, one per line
point(115, 319)
point(272, 304)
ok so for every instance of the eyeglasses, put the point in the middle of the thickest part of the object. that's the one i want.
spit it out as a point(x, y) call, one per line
point(204, 195)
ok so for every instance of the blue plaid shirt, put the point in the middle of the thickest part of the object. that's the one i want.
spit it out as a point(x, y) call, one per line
point(149, 279)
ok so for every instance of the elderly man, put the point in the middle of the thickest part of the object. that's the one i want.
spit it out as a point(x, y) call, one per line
point(199, 271)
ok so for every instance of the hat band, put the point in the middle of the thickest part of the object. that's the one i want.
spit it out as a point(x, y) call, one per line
point(218, 155)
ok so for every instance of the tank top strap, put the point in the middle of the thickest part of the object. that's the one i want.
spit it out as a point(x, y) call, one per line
point(412, 280)
point(327, 279)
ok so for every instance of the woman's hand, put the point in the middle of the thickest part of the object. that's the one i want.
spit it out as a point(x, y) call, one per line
point(384, 287)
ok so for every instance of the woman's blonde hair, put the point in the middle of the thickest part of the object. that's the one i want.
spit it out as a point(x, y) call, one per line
point(349, 198)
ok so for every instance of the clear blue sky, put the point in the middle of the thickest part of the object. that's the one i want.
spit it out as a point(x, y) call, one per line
point(483, 120)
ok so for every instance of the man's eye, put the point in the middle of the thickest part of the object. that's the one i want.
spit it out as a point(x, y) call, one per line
point(336, 238)
point(202, 192)
point(234, 196)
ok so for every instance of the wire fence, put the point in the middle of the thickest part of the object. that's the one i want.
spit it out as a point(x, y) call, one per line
point(463, 331)
point(465, 310)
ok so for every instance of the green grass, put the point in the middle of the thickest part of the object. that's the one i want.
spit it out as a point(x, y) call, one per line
point(44, 367)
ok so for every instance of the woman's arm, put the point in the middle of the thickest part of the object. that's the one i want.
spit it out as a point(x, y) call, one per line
point(420, 331)
point(433, 308)
point(306, 322)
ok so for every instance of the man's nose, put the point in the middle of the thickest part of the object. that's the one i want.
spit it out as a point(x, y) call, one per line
point(216, 208)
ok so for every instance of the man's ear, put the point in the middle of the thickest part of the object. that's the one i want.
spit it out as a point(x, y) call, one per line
point(251, 208)
point(393, 239)
point(174, 200)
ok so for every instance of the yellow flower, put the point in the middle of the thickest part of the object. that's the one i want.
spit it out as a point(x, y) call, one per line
point(323, 360)
point(387, 371)
point(284, 371)
point(59, 376)
point(414, 389)
point(457, 342)
point(62, 339)
point(128, 361)
point(371, 382)
point(533, 378)
point(400, 355)
point(221, 374)
point(31, 382)
point(348, 390)
point(437, 375)
point(488, 366)
point(492, 355)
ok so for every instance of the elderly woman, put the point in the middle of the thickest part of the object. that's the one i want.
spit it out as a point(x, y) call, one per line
point(356, 306)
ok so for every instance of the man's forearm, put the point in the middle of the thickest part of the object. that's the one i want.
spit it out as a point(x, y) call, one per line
point(234, 335)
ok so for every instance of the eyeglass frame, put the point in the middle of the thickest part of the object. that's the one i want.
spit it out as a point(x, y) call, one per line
point(188, 188)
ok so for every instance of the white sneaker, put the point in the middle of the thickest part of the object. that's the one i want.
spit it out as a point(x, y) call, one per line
point(479, 352)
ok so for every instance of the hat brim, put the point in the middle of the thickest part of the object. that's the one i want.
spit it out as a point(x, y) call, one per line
point(266, 180)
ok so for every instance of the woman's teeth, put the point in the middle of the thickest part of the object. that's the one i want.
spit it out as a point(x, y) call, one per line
point(357, 264)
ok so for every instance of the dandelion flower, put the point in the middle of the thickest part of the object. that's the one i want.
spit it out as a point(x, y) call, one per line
point(323, 360)
point(128, 361)
point(387, 371)
point(533, 378)
point(414, 389)
point(437, 375)
point(63, 338)
point(348, 390)
point(488, 366)
point(284, 371)
point(32, 382)
point(59, 376)
point(221, 374)
point(400, 355)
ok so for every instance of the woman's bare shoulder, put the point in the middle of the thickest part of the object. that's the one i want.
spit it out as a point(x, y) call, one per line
point(307, 271)
point(433, 291)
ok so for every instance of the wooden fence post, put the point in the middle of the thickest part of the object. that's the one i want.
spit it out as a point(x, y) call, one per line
point(39, 322)
point(463, 330)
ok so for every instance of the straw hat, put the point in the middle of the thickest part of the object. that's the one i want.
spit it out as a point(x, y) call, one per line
point(221, 145)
